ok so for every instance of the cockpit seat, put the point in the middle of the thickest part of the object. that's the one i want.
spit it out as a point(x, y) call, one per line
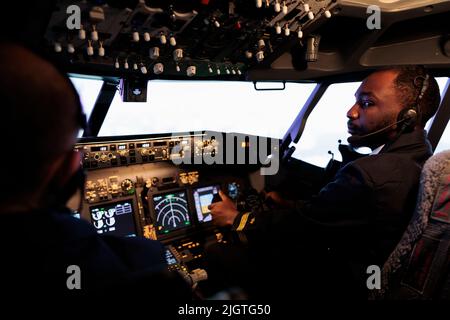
point(418, 268)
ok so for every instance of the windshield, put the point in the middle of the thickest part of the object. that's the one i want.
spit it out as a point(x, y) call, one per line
point(88, 90)
point(181, 106)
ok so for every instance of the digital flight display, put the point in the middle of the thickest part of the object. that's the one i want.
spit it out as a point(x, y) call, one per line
point(114, 218)
point(143, 145)
point(172, 211)
point(203, 198)
point(100, 148)
point(170, 258)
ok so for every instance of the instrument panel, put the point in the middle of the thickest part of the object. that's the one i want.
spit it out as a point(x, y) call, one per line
point(183, 39)
point(178, 148)
point(124, 206)
point(129, 194)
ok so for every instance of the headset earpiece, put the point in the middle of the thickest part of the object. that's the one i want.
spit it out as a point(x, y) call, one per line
point(408, 119)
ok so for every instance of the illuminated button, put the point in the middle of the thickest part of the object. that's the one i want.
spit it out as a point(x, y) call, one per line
point(57, 47)
point(135, 36)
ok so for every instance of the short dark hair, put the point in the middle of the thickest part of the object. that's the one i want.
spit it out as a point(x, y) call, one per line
point(39, 117)
point(409, 84)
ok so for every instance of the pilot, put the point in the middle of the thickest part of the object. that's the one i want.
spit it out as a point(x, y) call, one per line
point(356, 220)
point(45, 251)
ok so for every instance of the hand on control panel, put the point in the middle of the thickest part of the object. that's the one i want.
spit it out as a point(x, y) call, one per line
point(223, 210)
point(216, 198)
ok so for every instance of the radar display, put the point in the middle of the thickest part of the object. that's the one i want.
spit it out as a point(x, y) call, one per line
point(172, 211)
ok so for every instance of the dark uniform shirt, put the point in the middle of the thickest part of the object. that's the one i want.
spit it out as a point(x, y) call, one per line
point(37, 249)
point(355, 221)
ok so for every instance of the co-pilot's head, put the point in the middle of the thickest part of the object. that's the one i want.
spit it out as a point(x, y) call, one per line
point(380, 99)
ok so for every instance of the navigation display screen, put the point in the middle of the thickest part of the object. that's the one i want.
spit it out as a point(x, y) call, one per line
point(114, 218)
point(172, 211)
point(203, 198)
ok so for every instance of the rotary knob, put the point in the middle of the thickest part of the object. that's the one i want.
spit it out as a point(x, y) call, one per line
point(127, 186)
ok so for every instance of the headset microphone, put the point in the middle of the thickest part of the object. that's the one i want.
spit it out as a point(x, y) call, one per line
point(367, 138)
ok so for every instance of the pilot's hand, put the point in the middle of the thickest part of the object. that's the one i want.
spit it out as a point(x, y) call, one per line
point(223, 212)
point(275, 197)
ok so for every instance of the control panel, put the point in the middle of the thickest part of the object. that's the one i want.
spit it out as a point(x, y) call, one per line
point(122, 152)
point(183, 39)
point(134, 188)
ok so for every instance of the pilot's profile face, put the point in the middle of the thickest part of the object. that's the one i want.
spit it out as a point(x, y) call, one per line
point(377, 106)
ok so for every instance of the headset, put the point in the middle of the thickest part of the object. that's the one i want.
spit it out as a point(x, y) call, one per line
point(408, 117)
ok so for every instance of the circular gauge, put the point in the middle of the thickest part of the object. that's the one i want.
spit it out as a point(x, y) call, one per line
point(171, 211)
point(98, 214)
point(110, 222)
point(109, 213)
point(98, 224)
point(127, 186)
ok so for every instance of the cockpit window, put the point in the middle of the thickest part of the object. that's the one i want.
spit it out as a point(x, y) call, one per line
point(444, 142)
point(328, 123)
point(226, 106)
point(442, 82)
point(88, 90)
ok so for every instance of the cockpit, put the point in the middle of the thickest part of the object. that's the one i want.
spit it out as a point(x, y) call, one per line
point(184, 99)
